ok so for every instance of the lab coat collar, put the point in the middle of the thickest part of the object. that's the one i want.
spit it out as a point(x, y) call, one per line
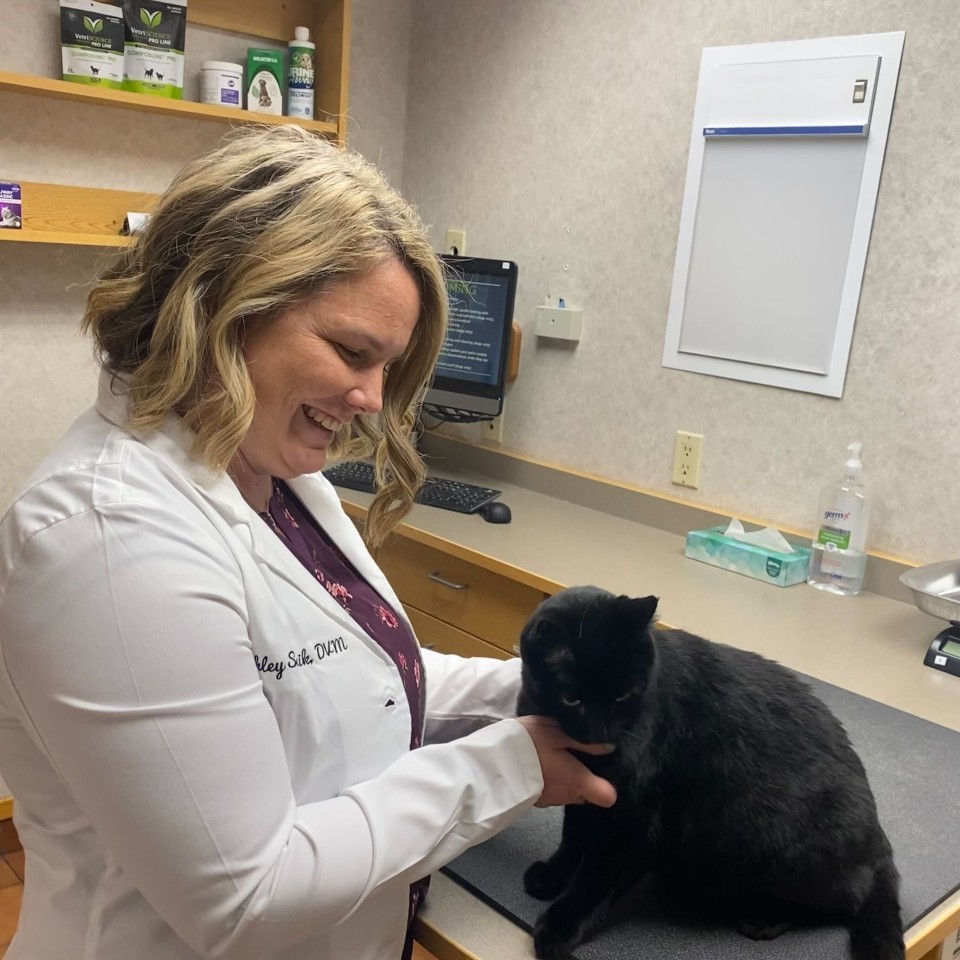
point(174, 441)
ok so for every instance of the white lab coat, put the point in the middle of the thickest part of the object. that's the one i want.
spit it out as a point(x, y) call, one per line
point(208, 756)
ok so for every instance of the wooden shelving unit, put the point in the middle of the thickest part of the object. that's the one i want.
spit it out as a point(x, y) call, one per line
point(89, 216)
point(81, 93)
point(84, 216)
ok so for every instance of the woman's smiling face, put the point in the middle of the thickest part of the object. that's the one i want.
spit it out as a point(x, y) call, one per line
point(316, 366)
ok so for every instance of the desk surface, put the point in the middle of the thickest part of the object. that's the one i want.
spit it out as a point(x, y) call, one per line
point(868, 644)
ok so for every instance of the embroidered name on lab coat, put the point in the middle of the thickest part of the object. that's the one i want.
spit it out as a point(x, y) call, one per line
point(302, 658)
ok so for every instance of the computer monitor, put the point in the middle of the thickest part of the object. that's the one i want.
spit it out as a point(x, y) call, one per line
point(469, 377)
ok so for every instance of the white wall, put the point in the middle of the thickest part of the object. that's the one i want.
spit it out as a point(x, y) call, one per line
point(556, 133)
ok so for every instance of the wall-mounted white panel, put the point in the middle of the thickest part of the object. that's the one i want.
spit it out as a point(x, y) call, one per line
point(769, 257)
point(792, 95)
point(785, 158)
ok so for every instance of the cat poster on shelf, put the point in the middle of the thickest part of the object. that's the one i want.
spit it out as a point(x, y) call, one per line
point(11, 209)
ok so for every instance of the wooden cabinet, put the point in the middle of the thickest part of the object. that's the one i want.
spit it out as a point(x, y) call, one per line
point(436, 635)
point(88, 216)
point(457, 606)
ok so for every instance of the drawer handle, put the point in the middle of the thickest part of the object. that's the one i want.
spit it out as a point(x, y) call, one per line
point(436, 578)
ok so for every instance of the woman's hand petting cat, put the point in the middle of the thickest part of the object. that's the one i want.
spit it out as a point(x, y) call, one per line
point(565, 778)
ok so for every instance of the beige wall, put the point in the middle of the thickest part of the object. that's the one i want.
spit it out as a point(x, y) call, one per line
point(556, 132)
point(379, 67)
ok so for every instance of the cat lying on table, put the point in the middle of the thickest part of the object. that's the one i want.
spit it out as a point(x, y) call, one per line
point(736, 785)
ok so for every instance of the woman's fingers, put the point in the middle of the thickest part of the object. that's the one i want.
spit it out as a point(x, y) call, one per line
point(565, 778)
point(598, 791)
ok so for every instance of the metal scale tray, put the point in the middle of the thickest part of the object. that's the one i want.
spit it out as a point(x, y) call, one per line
point(936, 589)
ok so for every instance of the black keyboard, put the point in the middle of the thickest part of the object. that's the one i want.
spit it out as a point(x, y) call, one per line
point(436, 492)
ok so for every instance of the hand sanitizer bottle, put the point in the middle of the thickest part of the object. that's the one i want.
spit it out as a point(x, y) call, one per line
point(838, 555)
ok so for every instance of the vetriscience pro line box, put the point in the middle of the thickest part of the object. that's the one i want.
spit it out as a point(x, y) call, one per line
point(760, 563)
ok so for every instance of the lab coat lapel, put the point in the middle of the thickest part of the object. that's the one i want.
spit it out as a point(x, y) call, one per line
point(267, 547)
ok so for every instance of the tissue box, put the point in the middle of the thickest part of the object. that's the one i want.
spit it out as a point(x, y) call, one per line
point(760, 563)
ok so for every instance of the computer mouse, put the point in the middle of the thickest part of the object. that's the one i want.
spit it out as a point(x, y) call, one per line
point(495, 512)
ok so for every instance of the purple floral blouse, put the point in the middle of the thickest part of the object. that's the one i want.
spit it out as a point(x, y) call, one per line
point(299, 530)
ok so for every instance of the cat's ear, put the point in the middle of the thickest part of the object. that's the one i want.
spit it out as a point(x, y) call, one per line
point(641, 609)
point(534, 632)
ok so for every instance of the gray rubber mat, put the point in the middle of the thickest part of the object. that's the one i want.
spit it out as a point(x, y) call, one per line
point(905, 757)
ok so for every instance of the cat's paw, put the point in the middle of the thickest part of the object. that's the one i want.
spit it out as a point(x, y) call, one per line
point(556, 934)
point(544, 881)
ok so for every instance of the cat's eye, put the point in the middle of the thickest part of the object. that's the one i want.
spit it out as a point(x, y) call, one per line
point(567, 702)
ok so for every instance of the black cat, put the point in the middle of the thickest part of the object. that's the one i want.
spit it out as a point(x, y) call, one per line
point(736, 786)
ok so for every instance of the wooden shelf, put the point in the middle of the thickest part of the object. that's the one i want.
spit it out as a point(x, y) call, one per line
point(329, 22)
point(79, 216)
point(79, 92)
point(89, 216)
point(63, 238)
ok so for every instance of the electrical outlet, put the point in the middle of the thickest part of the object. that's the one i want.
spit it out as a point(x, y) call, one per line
point(686, 459)
point(491, 431)
point(458, 239)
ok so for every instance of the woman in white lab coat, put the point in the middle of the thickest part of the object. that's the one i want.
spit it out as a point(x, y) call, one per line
point(211, 702)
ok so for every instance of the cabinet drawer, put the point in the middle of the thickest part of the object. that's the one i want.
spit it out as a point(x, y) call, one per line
point(488, 605)
point(436, 635)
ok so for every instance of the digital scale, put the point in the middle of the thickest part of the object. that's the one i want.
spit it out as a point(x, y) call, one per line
point(936, 590)
point(944, 652)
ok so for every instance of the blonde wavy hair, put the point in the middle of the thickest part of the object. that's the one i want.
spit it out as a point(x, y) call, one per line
point(272, 217)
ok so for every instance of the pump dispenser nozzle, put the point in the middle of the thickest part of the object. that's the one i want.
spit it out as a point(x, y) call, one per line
point(853, 467)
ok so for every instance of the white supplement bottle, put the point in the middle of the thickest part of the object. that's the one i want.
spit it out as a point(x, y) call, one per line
point(838, 554)
point(300, 75)
point(221, 83)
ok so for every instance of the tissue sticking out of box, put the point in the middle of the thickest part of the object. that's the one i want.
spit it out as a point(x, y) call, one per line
point(768, 537)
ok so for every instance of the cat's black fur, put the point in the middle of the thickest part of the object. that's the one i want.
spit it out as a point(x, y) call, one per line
point(736, 785)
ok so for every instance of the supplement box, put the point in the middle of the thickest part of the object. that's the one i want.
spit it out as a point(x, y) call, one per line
point(760, 563)
point(11, 210)
point(154, 41)
point(91, 43)
point(265, 81)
